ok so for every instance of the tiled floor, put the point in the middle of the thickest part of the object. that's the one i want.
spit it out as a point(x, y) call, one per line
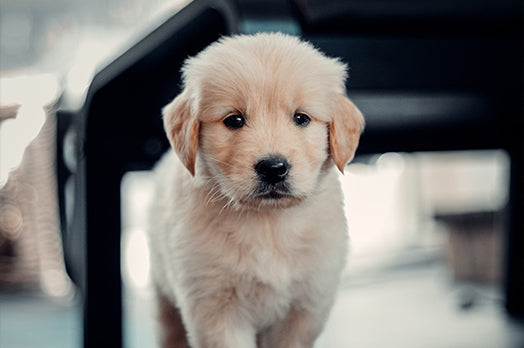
point(411, 308)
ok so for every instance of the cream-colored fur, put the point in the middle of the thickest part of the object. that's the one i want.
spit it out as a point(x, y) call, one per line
point(246, 271)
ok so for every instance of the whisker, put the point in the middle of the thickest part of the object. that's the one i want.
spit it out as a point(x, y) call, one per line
point(216, 160)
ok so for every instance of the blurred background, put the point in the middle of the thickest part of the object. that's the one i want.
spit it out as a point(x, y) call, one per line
point(426, 228)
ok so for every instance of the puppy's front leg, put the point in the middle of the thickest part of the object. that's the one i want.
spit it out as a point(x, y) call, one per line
point(298, 329)
point(216, 321)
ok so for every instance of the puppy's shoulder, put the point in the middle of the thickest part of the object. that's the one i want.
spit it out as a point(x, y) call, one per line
point(167, 164)
point(170, 180)
point(169, 172)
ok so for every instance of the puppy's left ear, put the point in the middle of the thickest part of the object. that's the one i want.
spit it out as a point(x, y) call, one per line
point(347, 123)
point(182, 126)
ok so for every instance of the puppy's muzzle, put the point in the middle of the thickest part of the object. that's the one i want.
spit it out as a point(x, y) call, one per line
point(272, 173)
point(272, 170)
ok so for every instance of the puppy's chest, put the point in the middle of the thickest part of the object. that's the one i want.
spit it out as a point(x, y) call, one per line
point(272, 250)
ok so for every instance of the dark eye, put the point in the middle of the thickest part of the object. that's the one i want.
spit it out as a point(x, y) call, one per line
point(234, 121)
point(301, 119)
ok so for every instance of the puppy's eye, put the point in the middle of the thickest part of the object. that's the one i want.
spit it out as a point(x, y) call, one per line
point(301, 119)
point(234, 121)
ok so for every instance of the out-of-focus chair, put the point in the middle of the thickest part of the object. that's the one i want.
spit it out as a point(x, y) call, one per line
point(428, 76)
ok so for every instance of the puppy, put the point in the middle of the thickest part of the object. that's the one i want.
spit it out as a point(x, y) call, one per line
point(248, 233)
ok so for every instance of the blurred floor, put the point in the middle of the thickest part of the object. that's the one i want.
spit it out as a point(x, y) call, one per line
point(34, 321)
point(415, 307)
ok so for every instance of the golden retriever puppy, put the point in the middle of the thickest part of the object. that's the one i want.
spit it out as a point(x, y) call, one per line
point(248, 233)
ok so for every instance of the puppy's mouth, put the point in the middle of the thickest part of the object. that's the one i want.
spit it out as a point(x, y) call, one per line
point(273, 192)
point(271, 196)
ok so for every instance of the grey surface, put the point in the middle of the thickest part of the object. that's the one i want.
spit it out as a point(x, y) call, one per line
point(417, 307)
point(29, 320)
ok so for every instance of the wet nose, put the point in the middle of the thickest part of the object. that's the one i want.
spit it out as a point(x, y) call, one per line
point(272, 170)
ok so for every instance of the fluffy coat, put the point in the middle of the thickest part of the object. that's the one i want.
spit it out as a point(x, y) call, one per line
point(232, 268)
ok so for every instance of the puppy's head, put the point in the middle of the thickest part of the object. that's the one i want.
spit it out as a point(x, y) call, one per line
point(262, 118)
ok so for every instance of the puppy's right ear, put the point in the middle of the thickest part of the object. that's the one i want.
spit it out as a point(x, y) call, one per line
point(181, 125)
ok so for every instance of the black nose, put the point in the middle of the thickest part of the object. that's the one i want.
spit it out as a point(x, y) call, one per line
point(272, 169)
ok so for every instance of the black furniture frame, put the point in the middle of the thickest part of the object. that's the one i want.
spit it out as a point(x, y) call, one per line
point(428, 75)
